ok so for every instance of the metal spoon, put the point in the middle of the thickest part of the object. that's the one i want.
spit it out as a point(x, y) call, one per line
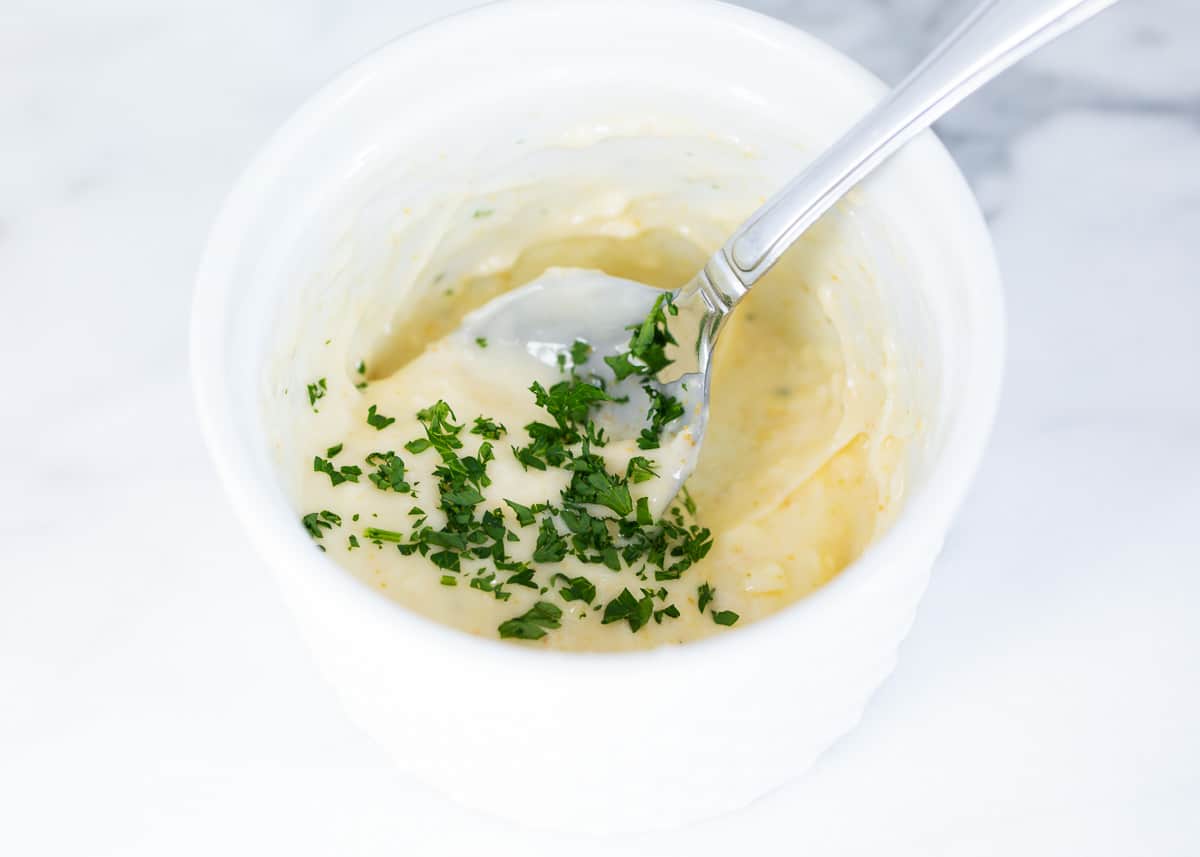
point(544, 315)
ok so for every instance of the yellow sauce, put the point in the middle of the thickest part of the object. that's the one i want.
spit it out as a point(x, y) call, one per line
point(801, 467)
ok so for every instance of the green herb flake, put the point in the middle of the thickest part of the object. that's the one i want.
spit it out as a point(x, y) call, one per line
point(551, 547)
point(663, 410)
point(670, 612)
point(580, 351)
point(644, 518)
point(724, 617)
point(377, 420)
point(317, 522)
point(576, 589)
point(316, 391)
point(524, 577)
point(336, 475)
point(633, 610)
point(646, 355)
point(524, 513)
point(376, 534)
point(621, 365)
point(481, 341)
point(640, 470)
point(488, 583)
point(488, 428)
point(533, 624)
point(389, 473)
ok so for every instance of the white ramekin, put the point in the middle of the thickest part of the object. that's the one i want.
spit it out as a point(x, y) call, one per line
point(620, 741)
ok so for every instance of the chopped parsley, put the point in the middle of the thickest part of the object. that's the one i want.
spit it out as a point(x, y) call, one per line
point(647, 350)
point(523, 577)
point(568, 402)
point(487, 583)
point(336, 475)
point(633, 610)
point(688, 502)
point(317, 522)
point(664, 409)
point(524, 513)
point(389, 473)
point(704, 596)
point(670, 611)
point(481, 341)
point(488, 428)
point(576, 589)
point(377, 535)
point(533, 623)
point(580, 351)
point(641, 469)
point(377, 420)
point(551, 547)
point(316, 390)
point(595, 520)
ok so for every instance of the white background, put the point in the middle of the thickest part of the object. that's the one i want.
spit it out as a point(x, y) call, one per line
point(155, 698)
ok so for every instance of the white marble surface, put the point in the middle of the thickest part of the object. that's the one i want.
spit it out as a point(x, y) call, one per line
point(154, 695)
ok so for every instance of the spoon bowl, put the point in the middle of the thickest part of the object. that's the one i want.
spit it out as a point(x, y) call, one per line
point(544, 318)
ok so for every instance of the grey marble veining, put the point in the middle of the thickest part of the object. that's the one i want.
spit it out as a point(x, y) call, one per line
point(1130, 60)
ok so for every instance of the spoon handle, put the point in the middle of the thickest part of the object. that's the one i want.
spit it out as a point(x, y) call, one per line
point(996, 35)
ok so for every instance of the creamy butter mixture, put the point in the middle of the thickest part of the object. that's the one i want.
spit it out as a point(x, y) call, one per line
point(801, 466)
